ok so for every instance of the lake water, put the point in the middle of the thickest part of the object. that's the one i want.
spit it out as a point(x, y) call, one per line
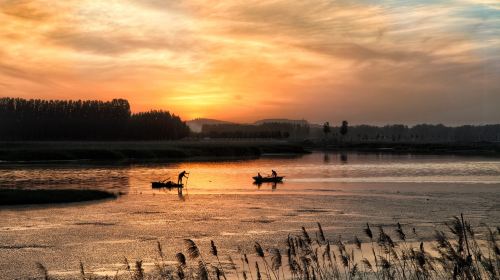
point(221, 203)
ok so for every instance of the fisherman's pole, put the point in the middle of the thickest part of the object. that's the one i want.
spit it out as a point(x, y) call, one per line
point(187, 179)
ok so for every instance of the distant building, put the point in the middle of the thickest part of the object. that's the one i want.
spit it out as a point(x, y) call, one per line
point(196, 125)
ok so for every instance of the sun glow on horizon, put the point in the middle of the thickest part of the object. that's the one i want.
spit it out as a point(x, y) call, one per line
point(319, 60)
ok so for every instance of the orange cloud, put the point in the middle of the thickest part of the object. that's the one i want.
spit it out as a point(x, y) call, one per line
point(320, 59)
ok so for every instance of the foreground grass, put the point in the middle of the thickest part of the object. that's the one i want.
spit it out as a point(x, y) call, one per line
point(74, 150)
point(46, 196)
point(456, 254)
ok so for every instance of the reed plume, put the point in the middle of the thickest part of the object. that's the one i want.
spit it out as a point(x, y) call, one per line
point(213, 248)
point(258, 250)
point(306, 237)
point(43, 270)
point(192, 249)
point(180, 272)
point(367, 264)
point(202, 271)
point(357, 242)
point(400, 232)
point(213, 251)
point(193, 253)
point(368, 231)
point(139, 271)
point(181, 259)
point(275, 259)
point(160, 249)
point(321, 234)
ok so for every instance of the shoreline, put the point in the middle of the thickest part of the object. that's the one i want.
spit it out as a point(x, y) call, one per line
point(206, 150)
point(137, 151)
point(459, 149)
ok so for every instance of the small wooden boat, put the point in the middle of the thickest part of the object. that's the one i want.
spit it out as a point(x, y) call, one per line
point(271, 179)
point(168, 185)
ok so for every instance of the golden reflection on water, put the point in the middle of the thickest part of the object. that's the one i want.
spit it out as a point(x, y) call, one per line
point(303, 173)
point(222, 203)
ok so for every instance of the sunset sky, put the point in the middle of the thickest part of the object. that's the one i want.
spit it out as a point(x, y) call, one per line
point(377, 62)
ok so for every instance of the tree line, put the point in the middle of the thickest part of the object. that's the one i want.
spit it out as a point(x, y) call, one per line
point(274, 130)
point(422, 133)
point(37, 119)
point(398, 133)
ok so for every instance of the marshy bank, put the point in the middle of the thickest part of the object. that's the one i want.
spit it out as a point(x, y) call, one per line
point(457, 251)
point(142, 150)
point(49, 196)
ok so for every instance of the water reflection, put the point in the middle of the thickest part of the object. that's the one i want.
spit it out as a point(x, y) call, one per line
point(68, 176)
point(220, 202)
point(343, 158)
point(326, 158)
point(182, 197)
point(272, 184)
point(235, 176)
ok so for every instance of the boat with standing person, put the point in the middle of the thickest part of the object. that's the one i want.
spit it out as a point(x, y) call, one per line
point(166, 184)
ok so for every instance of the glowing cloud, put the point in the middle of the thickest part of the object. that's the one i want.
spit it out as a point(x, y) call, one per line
point(386, 61)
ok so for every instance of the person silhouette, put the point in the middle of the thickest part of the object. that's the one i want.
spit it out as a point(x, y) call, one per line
point(181, 176)
point(274, 173)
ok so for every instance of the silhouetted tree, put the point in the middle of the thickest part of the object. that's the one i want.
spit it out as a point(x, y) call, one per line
point(37, 119)
point(344, 128)
point(264, 130)
point(156, 125)
point(422, 133)
point(326, 129)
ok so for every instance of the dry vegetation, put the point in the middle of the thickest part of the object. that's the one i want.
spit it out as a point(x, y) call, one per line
point(456, 254)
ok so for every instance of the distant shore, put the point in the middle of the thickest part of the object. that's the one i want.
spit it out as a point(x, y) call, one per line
point(142, 150)
point(465, 149)
point(47, 151)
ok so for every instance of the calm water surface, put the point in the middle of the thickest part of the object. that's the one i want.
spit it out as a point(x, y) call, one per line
point(221, 203)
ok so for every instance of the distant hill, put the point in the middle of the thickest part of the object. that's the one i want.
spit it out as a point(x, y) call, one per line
point(196, 124)
point(288, 121)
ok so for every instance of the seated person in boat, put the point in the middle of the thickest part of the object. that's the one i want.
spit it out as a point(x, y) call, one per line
point(259, 177)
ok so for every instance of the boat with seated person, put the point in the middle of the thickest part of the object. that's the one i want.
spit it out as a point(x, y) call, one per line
point(269, 179)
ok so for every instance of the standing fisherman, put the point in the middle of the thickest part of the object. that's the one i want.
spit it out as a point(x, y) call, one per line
point(181, 176)
point(275, 174)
